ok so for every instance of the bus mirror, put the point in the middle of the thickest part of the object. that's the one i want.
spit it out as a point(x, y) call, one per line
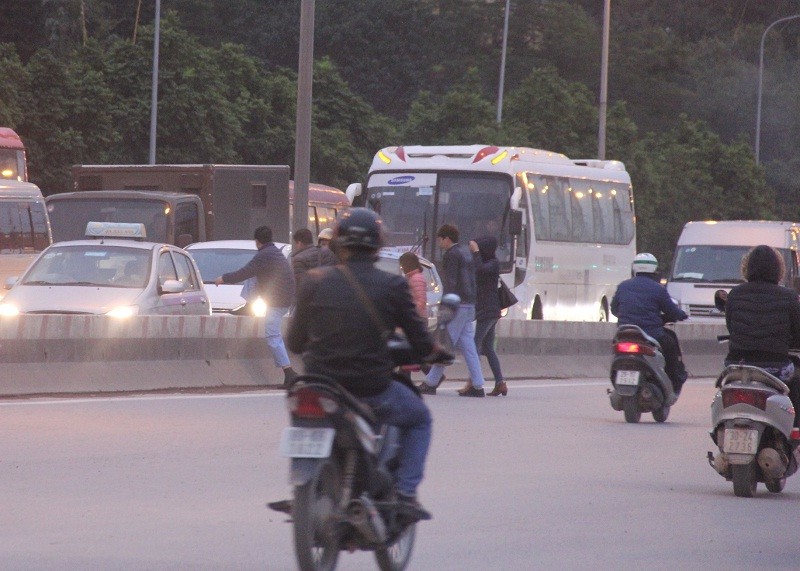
point(352, 191)
point(516, 196)
point(515, 222)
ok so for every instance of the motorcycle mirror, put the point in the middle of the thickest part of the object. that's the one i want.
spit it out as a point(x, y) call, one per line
point(720, 299)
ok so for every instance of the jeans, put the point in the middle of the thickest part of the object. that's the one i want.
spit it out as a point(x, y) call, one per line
point(484, 342)
point(673, 360)
point(462, 333)
point(400, 407)
point(273, 335)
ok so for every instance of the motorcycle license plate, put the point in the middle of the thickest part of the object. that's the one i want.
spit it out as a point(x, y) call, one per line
point(297, 442)
point(630, 378)
point(740, 441)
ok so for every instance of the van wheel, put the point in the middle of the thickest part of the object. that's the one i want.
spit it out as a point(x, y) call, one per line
point(536, 312)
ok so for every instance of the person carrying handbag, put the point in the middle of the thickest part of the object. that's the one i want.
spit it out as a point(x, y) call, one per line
point(487, 306)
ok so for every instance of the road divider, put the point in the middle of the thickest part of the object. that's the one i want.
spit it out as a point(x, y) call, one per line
point(52, 354)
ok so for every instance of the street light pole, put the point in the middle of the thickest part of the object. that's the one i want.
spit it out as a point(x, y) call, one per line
point(760, 80)
point(154, 89)
point(503, 66)
point(601, 132)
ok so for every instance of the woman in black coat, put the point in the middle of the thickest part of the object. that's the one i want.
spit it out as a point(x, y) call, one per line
point(487, 306)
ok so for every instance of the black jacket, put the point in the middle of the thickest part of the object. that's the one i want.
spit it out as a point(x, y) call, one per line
point(487, 275)
point(458, 273)
point(763, 321)
point(310, 257)
point(273, 273)
point(335, 333)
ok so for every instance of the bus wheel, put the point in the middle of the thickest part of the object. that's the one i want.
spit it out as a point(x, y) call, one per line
point(603, 311)
point(536, 312)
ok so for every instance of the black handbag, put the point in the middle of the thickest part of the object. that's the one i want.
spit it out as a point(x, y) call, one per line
point(506, 296)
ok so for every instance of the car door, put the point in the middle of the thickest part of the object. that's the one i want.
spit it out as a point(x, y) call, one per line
point(167, 303)
point(194, 299)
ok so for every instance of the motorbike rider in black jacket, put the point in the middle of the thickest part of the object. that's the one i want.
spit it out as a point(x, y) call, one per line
point(338, 337)
point(763, 319)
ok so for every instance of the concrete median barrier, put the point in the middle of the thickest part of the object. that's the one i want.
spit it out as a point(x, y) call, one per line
point(50, 354)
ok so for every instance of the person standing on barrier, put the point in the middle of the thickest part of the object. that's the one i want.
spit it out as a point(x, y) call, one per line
point(644, 302)
point(275, 284)
point(763, 319)
point(458, 277)
point(487, 306)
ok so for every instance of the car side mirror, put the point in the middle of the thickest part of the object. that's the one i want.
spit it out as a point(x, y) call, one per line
point(720, 299)
point(10, 281)
point(172, 286)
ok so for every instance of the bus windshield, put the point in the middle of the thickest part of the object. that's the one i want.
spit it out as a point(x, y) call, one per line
point(414, 205)
point(716, 264)
point(68, 218)
point(23, 227)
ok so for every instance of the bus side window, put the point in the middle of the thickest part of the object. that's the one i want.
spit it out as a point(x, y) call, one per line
point(558, 201)
point(326, 217)
point(312, 220)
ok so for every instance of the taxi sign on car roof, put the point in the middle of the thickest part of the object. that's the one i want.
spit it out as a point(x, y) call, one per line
point(116, 230)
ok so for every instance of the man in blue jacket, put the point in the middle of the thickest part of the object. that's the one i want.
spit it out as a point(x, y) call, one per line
point(275, 284)
point(643, 301)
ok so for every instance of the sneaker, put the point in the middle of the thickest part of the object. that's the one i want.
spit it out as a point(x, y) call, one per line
point(409, 506)
point(426, 389)
point(472, 392)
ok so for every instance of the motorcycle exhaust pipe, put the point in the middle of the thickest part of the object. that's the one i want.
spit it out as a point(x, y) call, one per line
point(363, 515)
point(771, 463)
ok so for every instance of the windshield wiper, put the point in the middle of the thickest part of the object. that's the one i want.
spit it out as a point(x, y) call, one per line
point(41, 282)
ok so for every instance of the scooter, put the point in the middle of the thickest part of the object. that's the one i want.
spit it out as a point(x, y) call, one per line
point(752, 420)
point(639, 381)
point(342, 470)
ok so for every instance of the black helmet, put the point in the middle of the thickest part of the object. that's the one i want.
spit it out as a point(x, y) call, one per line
point(359, 228)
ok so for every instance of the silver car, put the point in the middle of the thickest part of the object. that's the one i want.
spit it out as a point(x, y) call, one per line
point(114, 277)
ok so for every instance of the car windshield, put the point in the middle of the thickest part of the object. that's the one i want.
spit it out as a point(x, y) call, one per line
point(91, 265)
point(715, 264)
point(213, 262)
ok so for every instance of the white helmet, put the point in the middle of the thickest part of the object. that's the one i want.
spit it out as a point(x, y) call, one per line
point(644, 263)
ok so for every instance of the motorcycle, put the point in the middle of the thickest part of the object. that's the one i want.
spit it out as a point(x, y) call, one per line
point(342, 464)
point(639, 381)
point(752, 420)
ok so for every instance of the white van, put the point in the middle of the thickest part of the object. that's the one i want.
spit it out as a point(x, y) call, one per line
point(24, 227)
point(709, 255)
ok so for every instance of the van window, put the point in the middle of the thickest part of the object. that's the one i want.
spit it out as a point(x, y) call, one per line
point(23, 227)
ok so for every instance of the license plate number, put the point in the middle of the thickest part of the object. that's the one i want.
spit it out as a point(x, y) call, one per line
point(297, 442)
point(627, 378)
point(740, 441)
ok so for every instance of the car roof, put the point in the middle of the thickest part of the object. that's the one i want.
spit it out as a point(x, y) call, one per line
point(112, 242)
point(229, 245)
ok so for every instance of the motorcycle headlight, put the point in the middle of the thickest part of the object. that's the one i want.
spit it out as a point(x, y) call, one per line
point(124, 311)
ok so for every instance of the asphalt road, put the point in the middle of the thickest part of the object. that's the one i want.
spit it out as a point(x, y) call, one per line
point(549, 477)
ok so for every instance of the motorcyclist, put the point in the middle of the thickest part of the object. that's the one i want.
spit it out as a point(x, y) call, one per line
point(644, 302)
point(763, 319)
point(338, 337)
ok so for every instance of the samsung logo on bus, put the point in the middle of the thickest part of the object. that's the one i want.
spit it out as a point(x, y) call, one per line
point(401, 180)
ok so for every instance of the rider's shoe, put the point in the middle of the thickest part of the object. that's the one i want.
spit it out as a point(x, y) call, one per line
point(411, 507)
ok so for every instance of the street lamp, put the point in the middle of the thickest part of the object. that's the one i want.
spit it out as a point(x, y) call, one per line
point(503, 66)
point(760, 79)
point(601, 131)
point(154, 90)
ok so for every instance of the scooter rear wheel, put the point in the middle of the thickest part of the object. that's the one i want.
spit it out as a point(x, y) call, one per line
point(744, 479)
point(631, 409)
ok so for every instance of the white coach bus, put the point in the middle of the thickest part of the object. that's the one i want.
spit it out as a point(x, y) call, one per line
point(565, 228)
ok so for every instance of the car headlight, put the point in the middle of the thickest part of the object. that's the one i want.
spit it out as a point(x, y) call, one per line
point(124, 311)
point(259, 307)
point(8, 310)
